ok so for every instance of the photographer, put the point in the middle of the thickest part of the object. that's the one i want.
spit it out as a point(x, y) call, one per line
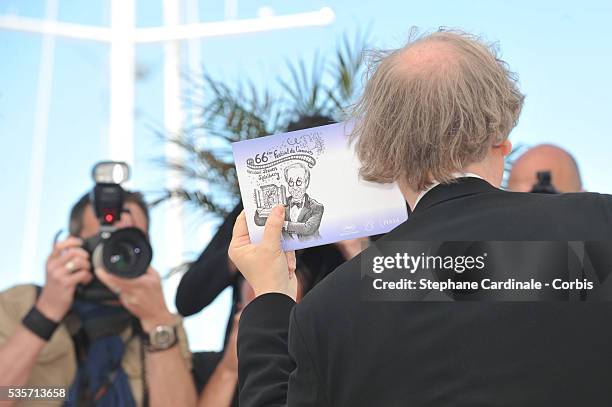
point(99, 351)
point(562, 167)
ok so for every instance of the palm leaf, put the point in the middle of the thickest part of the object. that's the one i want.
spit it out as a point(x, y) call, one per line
point(230, 113)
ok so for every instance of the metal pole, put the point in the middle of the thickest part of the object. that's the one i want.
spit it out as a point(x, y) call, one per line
point(122, 70)
point(29, 269)
point(173, 122)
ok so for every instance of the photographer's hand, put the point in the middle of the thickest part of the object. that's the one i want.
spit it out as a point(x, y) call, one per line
point(67, 266)
point(142, 297)
point(168, 376)
point(265, 266)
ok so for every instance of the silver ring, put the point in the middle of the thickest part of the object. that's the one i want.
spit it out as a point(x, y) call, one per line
point(70, 266)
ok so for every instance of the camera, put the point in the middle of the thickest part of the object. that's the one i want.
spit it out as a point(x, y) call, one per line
point(544, 184)
point(124, 252)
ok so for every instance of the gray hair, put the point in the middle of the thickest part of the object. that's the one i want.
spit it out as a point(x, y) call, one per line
point(423, 122)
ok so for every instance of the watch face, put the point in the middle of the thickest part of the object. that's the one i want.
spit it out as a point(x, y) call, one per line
point(162, 337)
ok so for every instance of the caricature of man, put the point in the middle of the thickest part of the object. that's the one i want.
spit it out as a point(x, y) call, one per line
point(302, 213)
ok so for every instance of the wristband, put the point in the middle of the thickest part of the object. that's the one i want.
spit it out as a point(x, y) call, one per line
point(39, 324)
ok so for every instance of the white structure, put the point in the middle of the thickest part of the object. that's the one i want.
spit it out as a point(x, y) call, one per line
point(123, 36)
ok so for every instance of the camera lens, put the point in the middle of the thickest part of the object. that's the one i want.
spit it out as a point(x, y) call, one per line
point(124, 255)
point(127, 253)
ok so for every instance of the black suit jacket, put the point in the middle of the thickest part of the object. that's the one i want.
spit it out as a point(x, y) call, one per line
point(335, 350)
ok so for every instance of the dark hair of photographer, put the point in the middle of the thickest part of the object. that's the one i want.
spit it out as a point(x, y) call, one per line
point(76, 221)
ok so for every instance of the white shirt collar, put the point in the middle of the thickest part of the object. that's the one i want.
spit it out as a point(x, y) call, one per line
point(436, 183)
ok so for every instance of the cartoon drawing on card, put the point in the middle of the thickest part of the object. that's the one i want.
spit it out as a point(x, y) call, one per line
point(289, 166)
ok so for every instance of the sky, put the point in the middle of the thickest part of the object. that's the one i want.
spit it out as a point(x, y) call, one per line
point(561, 51)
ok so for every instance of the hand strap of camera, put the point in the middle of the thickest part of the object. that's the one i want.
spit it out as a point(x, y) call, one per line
point(137, 329)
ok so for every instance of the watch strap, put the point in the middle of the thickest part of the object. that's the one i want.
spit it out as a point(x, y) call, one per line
point(39, 324)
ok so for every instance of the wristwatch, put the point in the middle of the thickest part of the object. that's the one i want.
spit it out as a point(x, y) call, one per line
point(162, 337)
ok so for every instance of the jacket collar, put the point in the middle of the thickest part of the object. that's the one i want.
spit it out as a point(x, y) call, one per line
point(436, 183)
point(461, 187)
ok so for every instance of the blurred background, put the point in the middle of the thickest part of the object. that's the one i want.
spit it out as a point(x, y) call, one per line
point(137, 81)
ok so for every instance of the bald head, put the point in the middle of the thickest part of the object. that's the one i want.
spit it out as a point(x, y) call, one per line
point(427, 57)
point(440, 105)
point(565, 175)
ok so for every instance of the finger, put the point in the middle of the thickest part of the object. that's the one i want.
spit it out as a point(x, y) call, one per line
point(115, 284)
point(291, 261)
point(123, 300)
point(79, 277)
point(237, 317)
point(151, 272)
point(76, 264)
point(128, 300)
point(236, 322)
point(240, 236)
point(240, 227)
point(148, 280)
point(76, 252)
point(71, 255)
point(68, 264)
point(273, 228)
point(59, 247)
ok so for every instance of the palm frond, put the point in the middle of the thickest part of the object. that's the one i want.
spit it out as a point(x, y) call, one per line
point(230, 113)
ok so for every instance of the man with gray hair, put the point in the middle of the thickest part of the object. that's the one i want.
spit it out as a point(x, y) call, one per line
point(434, 117)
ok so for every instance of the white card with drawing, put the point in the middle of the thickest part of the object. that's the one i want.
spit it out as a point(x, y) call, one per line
point(313, 173)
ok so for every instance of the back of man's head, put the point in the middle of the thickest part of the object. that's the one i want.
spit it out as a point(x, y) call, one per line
point(432, 108)
point(565, 176)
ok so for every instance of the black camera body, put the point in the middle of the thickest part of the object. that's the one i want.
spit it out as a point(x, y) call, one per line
point(544, 184)
point(124, 252)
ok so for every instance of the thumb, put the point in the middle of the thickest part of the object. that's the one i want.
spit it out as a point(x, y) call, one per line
point(105, 278)
point(273, 228)
point(109, 280)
